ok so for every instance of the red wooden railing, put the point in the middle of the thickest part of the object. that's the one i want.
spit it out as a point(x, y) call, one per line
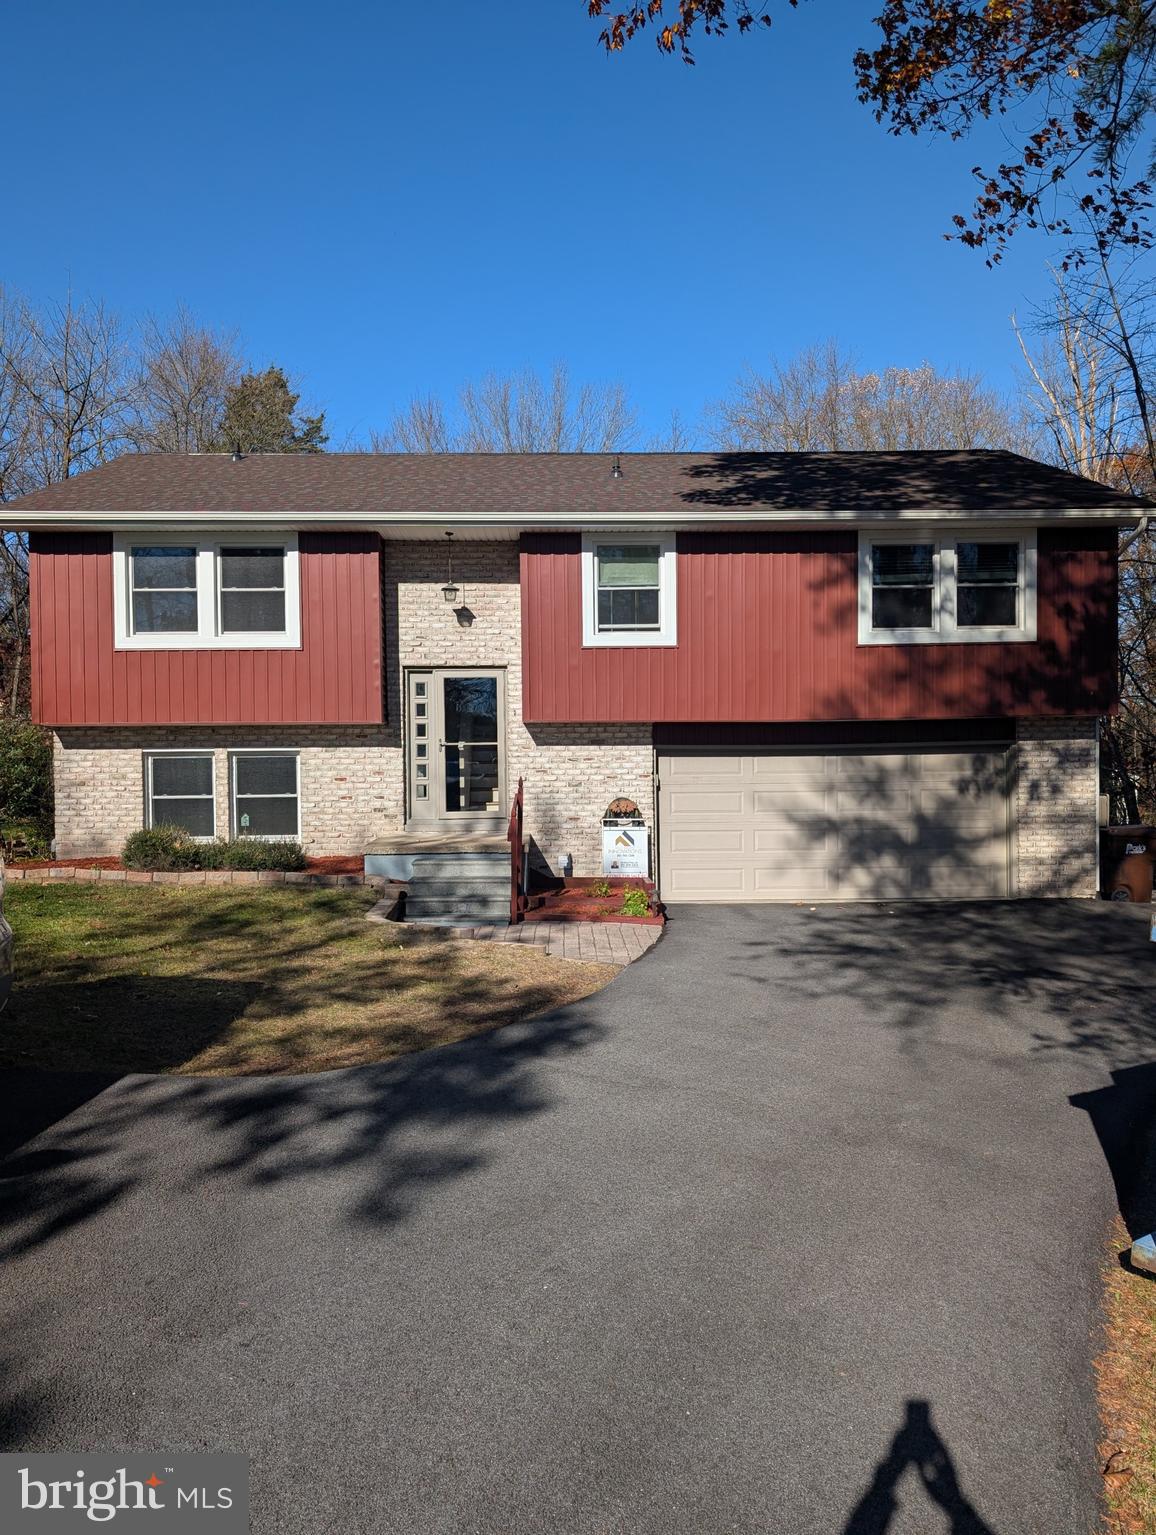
point(517, 898)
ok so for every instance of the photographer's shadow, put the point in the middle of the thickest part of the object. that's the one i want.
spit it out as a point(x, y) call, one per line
point(916, 1445)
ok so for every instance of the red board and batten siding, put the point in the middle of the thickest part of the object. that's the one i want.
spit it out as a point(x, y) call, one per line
point(768, 630)
point(80, 678)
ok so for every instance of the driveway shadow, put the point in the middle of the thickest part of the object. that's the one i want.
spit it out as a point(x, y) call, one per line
point(404, 1126)
point(1123, 1119)
point(1080, 971)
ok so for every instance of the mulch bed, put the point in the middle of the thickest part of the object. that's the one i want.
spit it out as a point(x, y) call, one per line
point(336, 864)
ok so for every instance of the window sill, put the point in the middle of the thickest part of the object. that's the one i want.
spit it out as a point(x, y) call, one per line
point(643, 640)
point(216, 642)
point(952, 637)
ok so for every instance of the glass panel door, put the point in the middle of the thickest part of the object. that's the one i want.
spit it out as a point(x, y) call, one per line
point(455, 727)
point(470, 745)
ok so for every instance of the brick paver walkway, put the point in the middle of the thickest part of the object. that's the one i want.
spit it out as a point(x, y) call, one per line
point(603, 943)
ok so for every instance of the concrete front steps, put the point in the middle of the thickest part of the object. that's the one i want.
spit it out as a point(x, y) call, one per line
point(458, 888)
point(464, 881)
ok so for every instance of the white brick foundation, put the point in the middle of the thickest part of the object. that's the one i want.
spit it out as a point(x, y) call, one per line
point(348, 792)
point(1056, 777)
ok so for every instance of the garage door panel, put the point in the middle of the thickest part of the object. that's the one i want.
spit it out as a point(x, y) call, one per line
point(789, 884)
point(709, 770)
point(711, 882)
point(713, 842)
point(788, 837)
point(887, 825)
point(814, 801)
point(866, 769)
point(704, 803)
point(872, 808)
point(783, 769)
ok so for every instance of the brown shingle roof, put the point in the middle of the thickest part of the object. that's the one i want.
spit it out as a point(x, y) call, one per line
point(556, 488)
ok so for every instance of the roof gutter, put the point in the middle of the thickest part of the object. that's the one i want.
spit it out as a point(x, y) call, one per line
point(12, 520)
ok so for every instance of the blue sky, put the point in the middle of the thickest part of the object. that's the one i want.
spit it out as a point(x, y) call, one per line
point(387, 199)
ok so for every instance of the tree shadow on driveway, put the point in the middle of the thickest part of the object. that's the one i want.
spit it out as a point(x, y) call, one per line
point(397, 1129)
point(1080, 971)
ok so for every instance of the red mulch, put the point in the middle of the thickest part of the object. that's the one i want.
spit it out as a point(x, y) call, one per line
point(336, 864)
point(67, 863)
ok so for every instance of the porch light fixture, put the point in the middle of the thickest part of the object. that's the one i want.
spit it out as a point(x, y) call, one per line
point(616, 469)
point(450, 590)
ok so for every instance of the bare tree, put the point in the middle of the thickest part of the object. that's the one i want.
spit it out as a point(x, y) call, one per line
point(67, 364)
point(15, 415)
point(515, 413)
point(1087, 387)
point(1073, 394)
point(420, 428)
point(184, 374)
point(676, 439)
point(524, 413)
point(63, 395)
point(1089, 376)
point(819, 402)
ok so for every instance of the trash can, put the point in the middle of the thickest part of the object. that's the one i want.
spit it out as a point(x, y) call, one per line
point(1127, 854)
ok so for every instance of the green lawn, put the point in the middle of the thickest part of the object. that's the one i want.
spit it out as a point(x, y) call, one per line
point(244, 979)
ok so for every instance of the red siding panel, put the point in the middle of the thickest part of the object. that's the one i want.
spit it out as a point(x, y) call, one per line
point(768, 630)
point(80, 678)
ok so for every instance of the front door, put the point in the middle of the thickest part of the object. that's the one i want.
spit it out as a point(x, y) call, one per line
point(456, 747)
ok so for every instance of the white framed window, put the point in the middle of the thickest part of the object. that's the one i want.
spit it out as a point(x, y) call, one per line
point(265, 795)
point(629, 589)
point(926, 587)
point(172, 592)
point(162, 582)
point(180, 791)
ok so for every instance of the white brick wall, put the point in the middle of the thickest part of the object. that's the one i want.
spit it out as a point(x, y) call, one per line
point(1056, 778)
point(353, 777)
point(572, 772)
point(349, 793)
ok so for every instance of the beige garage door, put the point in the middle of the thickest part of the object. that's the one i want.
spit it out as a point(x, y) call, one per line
point(832, 826)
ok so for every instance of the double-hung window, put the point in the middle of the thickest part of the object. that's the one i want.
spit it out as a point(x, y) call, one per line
point(941, 588)
point(252, 589)
point(163, 581)
point(206, 594)
point(265, 793)
point(903, 578)
point(179, 791)
point(987, 584)
point(628, 589)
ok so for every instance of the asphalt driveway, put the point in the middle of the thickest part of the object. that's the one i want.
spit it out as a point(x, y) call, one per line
point(794, 1228)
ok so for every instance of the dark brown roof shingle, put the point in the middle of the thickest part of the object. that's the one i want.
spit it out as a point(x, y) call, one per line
point(550, 488)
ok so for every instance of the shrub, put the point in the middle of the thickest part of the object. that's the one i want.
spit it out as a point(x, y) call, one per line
point(161, 849)
point(251, 853)
point(32, 836)
point(25, 780)
point(248, 853)
point(169, 849)
point(600, 889)
point(635, 902)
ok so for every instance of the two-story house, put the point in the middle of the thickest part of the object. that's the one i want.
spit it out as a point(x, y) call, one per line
point(856, 675)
